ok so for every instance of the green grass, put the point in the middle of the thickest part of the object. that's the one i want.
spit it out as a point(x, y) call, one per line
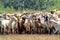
point(2, 10)
point(11, 10)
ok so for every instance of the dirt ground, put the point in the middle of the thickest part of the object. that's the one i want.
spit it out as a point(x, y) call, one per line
point(29, 37)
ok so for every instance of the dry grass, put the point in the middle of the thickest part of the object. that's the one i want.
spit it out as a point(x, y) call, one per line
point(29, 37)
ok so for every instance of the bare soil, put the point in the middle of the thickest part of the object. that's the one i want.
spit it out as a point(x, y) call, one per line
point(29, 37)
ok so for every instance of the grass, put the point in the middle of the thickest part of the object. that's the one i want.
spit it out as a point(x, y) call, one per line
point(29, 37)
point(11, 10)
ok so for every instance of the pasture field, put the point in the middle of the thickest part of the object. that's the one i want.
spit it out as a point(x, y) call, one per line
point(29, 37)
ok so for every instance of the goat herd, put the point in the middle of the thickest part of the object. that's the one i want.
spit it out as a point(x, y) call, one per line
point(30, 23)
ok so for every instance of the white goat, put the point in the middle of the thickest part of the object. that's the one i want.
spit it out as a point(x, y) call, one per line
point(8, 24)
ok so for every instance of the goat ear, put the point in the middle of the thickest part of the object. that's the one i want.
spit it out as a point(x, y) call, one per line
point(8, 15)
point(17, 16)
point(14, 17)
